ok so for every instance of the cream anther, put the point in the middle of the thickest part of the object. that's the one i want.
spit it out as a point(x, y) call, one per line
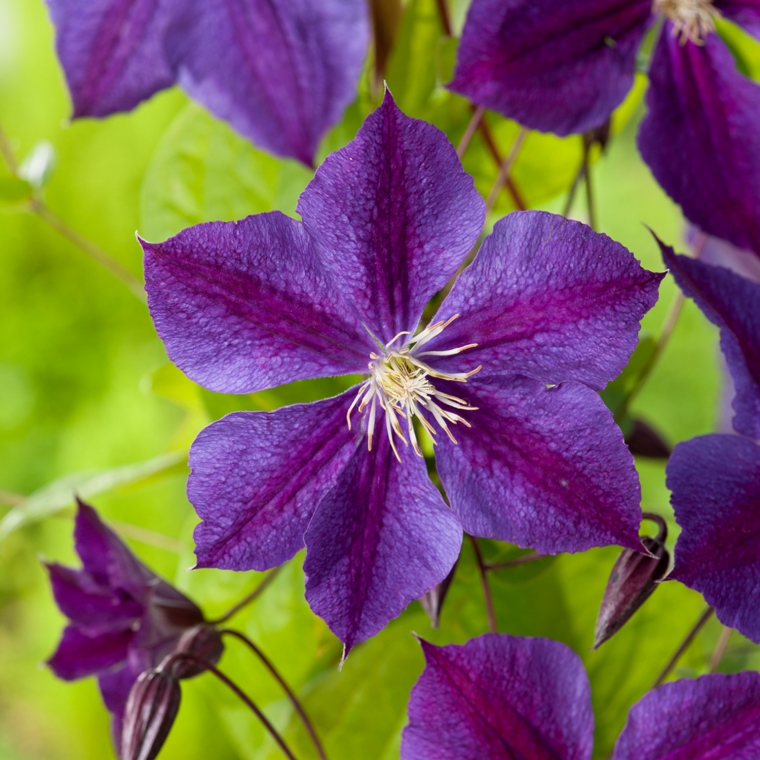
point(693, 20)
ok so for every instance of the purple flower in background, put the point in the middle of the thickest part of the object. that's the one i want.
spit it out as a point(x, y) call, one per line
point(563, 67)
point(503, 378)
point(502, 697)
point(715, 479)
point(123, 618)
point(279, 71)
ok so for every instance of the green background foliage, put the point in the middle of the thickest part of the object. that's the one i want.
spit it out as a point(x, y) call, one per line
point(88, 401)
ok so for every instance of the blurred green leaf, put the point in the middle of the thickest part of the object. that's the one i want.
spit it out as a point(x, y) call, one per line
point(60, 493)
point(202, 171)
point(619, 389)
point(14, 190)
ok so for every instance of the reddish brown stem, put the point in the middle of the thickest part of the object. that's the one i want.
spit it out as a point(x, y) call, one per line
point(248, 599)
point(483, 570)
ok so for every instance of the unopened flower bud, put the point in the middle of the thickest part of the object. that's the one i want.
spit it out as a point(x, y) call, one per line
point(633, 578)
point(151, 708)
point(644, 441)
point(202, 641)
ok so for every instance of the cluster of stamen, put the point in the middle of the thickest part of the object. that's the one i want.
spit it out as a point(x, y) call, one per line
point(693, 20)
point(399, 383)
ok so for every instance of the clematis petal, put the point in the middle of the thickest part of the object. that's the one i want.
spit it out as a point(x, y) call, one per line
point(105, 556)
point(94, 608)
point(714, 717)
point(700, 137)
point(500, 697)
point(733, 304)
point(279, 71)
point(80, 655)
point(549, 298)
point(115, 687)
point(541, 467)
point(394, 215)
point(715, 480)
point(746, 13)
point(115, 53)
point(243, 306)
point(257, 478)
point(379, 539)
point(552, 65)
point(721, 253)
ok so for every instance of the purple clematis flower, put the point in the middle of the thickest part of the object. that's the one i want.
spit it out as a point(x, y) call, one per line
point(502, 697)
point(545, 316)
point(715, 479)
point(123, 618)
point(279, 71)
point(563, 67)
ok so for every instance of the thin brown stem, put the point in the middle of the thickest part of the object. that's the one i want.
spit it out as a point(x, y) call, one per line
point(720, 649)
point(659, 521)
point(524, 560)
point(683, 646)
point(291, 695)
point(573, 190)
point(494, 151)
point(145, 536)
point(505, 168)
point(248, 599)
point(6, 151)
point(469, 133)
point(9, 499)
point(483, 570)
point(230, 684)
point(590, 207)
point(87, 246)
point(443, 12)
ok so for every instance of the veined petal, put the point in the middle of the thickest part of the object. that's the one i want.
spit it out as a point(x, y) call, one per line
point(257, 478)
point(500, 697)
point(733, 304)
point(715, 480)
point(549, 298)
point(279, 71)
point(80, 655)
point(93, 608)
point(541, 467)
point(713, 717)
point(746, 13)
point(552, 65)
point(394, 215)
point(115, 52)
point(721, 253)
point(700, 137)
point(379, 539)
point(244, 306)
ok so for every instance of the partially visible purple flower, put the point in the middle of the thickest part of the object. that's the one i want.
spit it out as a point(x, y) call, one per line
point(546, 315)
point(563, 67)
point(502, 697)
point(123, 619)
point(715, 479)
point(279, 71)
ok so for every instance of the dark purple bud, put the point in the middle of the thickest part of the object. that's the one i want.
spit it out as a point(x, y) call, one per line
point(633, 578)
point(202, 642)
point(644, 441)
point(432, 601)
point(151, 708)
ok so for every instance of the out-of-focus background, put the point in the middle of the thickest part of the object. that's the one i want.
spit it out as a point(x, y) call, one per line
point(89, 402)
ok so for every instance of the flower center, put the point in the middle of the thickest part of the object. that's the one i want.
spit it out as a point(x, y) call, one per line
point(399, 383)
point(692, 19)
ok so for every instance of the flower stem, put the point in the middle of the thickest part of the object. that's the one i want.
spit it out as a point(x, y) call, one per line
point(443, 12)
point(6, 151)
point(472, 127)
point(291, 695)
point(248, 599)
point(524, 560)
point(517, 198)
point(590, 206)
point(492, 627)
point(242, 696)
point(9, 499)
point(684, 645)
point(505, 168)
point(720, 649)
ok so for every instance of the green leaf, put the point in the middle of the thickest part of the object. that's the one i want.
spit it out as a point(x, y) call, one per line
point(202, 171)
point(60, 493)
point(14, 190)
point(618, 390)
